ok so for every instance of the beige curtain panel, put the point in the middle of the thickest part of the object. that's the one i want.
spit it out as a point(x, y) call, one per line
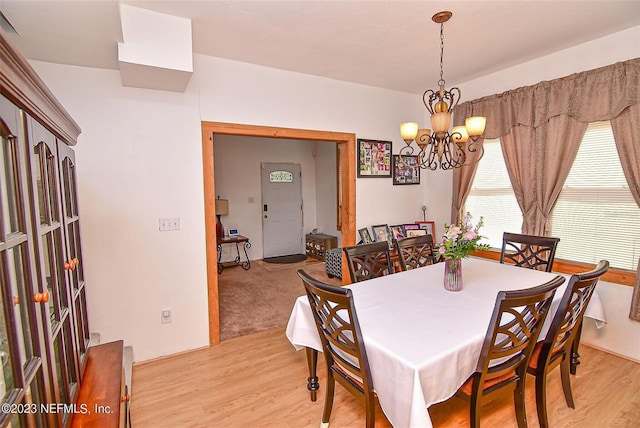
point(540, 128)
point(634, 313)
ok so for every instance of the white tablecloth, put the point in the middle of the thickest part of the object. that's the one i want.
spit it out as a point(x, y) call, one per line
point(423, 341)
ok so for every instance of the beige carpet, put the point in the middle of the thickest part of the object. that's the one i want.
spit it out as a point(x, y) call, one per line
point(262, 297)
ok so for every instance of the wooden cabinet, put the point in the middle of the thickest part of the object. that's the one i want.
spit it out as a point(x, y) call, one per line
point(44, 331)
point(316, 244)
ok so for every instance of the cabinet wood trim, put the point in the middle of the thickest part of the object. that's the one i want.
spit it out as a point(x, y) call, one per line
point(20, 83)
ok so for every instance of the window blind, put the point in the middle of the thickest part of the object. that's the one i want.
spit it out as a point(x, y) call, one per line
point(596, 216)
point(491, 197)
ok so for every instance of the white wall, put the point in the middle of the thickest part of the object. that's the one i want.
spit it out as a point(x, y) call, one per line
point(326, 190)
point(140, 158)
point(587, 56)
point(620, 335)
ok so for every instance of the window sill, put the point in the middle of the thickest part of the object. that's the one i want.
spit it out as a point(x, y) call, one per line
point(617, 276)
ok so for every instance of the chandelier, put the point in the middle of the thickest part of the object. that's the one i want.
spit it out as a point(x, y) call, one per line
point(438, 146)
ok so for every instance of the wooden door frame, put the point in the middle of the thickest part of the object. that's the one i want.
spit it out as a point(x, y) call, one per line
point(209, 130)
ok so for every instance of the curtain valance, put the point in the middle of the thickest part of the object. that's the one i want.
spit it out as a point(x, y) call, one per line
point(589, 96)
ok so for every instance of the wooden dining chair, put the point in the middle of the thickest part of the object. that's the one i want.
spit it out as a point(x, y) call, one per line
point(556, 348)
point(415, 252)
point(529, 251)
point(342, 345)
point(368, 261)
point(513, 331)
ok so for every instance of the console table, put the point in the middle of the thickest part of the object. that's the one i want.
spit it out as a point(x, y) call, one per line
point(237, 240)
point(317, 244)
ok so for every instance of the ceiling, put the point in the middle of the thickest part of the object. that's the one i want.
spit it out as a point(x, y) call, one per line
point(386, 44)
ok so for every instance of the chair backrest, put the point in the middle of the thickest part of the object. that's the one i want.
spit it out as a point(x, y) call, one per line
point(529, 251)
point(339, 330)
point(568, 317)
point(513, 331)
point(368, 261)
point(415, 252)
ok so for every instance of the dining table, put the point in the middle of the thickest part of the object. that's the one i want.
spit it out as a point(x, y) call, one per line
point(423, 341)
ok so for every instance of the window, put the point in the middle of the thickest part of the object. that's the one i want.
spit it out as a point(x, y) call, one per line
point(492, 197)
point(596, 216)
point(280, 177)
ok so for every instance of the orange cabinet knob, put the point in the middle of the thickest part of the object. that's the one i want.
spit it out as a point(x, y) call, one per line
point(40, 297)
point(71, 264)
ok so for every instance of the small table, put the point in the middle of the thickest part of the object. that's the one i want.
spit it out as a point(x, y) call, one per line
point(239, 239)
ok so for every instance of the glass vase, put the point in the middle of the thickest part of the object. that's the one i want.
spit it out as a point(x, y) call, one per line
point(453, 274)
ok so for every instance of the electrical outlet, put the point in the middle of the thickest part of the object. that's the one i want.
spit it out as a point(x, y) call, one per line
point(165, 316)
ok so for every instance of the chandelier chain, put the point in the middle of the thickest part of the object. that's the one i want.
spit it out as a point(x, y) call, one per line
point(441, 81)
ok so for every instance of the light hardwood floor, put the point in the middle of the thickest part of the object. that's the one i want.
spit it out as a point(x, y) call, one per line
point(259, 380)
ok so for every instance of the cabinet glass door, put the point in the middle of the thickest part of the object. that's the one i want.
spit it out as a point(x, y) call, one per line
point(21, 345)
point(71, 220)
point(55, 265)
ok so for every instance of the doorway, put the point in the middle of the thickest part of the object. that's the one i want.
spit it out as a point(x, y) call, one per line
point(347, 165)
point(281, 209)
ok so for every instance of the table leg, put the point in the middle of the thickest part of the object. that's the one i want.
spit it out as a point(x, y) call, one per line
point(220, 266)
point(237, 254)
point(246, 265)
point(312, 381)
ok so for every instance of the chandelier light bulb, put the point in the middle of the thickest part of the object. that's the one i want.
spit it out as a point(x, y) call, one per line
point(409, 131)
point(475, 125)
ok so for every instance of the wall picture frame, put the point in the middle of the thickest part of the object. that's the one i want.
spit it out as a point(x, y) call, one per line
point(416, 232)
point(398, 232)
point(381, 233)
point(365, 236)
point(374, 158)
point(406, 170)
point(430, 227)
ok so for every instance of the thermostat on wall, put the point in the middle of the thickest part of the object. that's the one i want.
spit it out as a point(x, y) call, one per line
point(233, 232)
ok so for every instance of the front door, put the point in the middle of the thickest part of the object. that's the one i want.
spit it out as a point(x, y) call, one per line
point(281, 209)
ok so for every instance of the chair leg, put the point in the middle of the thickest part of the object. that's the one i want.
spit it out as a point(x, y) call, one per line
point(370, 410)
point(541, 399)
point(518, 398)
point(328, 401)
point(474, 411)
point(565, 369)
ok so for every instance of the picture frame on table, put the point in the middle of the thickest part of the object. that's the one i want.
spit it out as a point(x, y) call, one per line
point(381, 233)
point(430, 227)
point(365, 236)
point(406, 170)
point(398, 232)
point(374, 158)
point(416, 232)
